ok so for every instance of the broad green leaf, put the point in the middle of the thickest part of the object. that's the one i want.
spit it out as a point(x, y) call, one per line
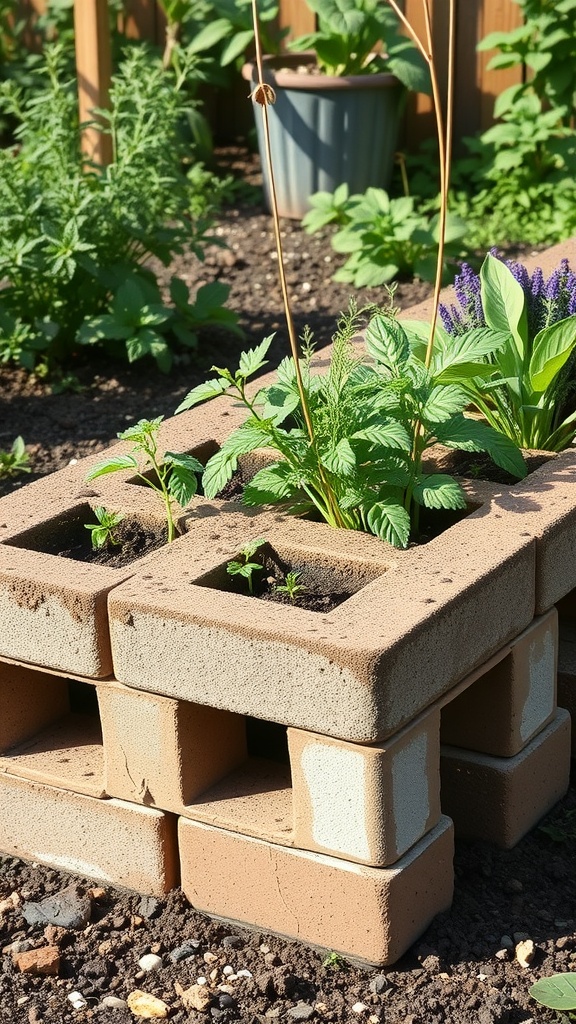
point(557, 992)
point(112, 466)
point(551, 349)
point(279, 403)
point(474, 436)
point(341, 459)
point(443, 402)
point(467, 348)
point(219, 470)
point(504, 302)
point(438, 490)
point(201, 393)
point(389, 521)
point(387, 342)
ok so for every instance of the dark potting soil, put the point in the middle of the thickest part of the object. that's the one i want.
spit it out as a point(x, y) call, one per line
point(463, 969)
point(68, 537)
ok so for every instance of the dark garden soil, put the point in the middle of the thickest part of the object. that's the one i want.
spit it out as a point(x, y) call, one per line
point(463, 970)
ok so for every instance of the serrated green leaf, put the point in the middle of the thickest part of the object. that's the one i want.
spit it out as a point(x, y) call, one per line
point(475, 436)
point(386, 434)
point(270, 485)
point(387, 342)
point(438, 490)
point(390, 521)
point(558, 992)
point(341, 459)
point(253, 360)
point(443, 402)
point(112, 465)
point(202, 393)
point(182, 483)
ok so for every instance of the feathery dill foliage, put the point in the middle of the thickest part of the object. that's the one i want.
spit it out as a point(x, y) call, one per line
point(373, 415)
point(73, 236)
point(530, 393)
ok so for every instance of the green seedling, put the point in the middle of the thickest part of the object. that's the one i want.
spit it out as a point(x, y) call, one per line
point(334, 962)
point(15, 461)
point(558, 992)
point(103, 532)
point(172, 476)
point(293, 588)
point(561, 829)
point(243, 566)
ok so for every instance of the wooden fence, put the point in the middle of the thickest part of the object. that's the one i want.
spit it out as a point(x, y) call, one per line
point(475, 87)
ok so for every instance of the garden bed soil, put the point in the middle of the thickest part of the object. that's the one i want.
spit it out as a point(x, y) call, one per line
point(463, 970)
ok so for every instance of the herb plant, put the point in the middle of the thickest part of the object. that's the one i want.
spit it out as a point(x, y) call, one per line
point(530, 392)
point(348, 37)
point(360, 465)
point(293, 588)
point(73, 237)
point(382, 237)
point(171, 475)
point(242, 566)
point(103, 532)
point(16, 460)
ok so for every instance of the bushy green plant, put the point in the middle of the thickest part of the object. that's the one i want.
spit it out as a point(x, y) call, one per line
point(348, 37)
point(73, 237)
point(382, 237)
point(354, 456)
point(530, 392)
point(173, 476)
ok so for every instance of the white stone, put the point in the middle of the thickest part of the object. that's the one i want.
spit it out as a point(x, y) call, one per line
point(150, 962)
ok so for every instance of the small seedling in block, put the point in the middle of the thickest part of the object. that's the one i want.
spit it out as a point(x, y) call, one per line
point(174, 476)
point(292, 587)
point(242, 566)
point(103, 532)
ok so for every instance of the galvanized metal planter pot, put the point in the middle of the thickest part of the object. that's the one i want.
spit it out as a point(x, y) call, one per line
point(326, 130)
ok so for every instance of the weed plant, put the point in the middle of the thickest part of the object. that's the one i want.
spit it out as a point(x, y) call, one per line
point(74, 236)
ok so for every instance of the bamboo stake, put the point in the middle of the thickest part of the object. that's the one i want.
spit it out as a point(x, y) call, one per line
point(94, 70)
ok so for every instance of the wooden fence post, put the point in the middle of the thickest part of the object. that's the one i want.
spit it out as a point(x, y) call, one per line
point(93, 68)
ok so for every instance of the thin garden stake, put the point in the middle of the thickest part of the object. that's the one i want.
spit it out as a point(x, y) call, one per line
point(264, 95)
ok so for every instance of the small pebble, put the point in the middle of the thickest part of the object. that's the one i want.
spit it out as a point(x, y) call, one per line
point(209, 958)
point(150, 962)
point(506, 942)
point(114, 1003)
point(525, 952)
point(502, 954)
point(302, 1011)
point(226, 988)
point(201, 981)
point(185, 951)
point(264, 948)
point(233, 942)
point(378, 984)
point(227, 970)
point(243, 973)
point(77, 1000)
point(360, 1008)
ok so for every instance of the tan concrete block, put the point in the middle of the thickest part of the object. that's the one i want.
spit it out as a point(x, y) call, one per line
point(109, 840)
point(42, 738)
point(510, 701)
point(358, 673)
point(367, 804)
point(369, 914)
point(500, 799)
point(165, 752)
point(567, 673)
point(544, 507)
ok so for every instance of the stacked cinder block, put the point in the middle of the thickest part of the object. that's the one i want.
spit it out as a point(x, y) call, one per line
point(296, 771)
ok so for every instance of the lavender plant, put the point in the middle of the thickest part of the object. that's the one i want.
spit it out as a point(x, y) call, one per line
point(530, 394)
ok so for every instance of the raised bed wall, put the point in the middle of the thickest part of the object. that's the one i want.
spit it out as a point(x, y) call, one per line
point(297, 771)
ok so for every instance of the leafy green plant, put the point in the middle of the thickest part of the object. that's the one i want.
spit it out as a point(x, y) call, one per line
point(171, 475)
point(227, 28)
point(562, 829)
point(533, 362)
point(72, 237)
point(354, 453)
point(293, 588)
point(242, 566)
point(348, 37)
point(16, 460)
point(558, 992)
point(334, 962)
point(382, 237)
point(103, 532)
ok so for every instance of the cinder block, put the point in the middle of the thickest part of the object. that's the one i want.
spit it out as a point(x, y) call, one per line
point(567, 673)
point(42, 738)
point(367, 804)
point(368, 914)
point(165, 752)
point(544, 507)
point(507, 704)
point(359, 673)
point(500, 799)
point(110, 840)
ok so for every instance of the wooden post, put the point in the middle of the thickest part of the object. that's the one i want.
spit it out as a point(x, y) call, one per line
point(93, 68)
